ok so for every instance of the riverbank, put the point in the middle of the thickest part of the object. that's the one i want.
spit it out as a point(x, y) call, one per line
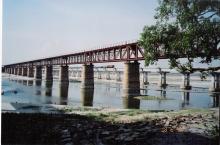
point(98, 126)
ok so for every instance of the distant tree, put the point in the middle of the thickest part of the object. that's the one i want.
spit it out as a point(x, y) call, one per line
point(189, 28)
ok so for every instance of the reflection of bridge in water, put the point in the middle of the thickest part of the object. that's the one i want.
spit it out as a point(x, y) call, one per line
point(87, 95)
point(129, 53)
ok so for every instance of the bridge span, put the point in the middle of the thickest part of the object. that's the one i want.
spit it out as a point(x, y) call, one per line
point(129, 53)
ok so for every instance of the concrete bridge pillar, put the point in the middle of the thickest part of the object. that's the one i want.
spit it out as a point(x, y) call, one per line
point(24, 71)
point(162, 79)
point(38, 72)
point(15, 71)
point(131, 103)
point(30, 71)
point(186, 82)
point(87, 96)
point(99, 75)
point(145, 78)
point(87, 76)
point(215, 83)
point(64, 73)
point(78, 74)
point(131, 80)
point(107, 75)
point(49, 73)
point(118, 77)
point(20, 71)
point(64, 89)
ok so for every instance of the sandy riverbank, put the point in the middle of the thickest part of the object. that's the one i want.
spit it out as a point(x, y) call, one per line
point(57, 124)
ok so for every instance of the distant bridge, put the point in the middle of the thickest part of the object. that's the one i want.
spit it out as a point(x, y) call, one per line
point(128, 52)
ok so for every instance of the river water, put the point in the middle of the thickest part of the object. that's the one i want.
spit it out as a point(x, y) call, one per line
point(105, 94)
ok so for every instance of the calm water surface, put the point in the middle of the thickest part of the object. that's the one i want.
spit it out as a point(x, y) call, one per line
point(104, 95)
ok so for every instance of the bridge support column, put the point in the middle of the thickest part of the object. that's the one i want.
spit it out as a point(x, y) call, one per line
point(24, 71)
point(162, 79)
point(38, 72)
point(30, 71)
point(145, 78)
point(87, 96)
point(16, 71)
point(99, 75)
point(131, 80)
point(49, 73)
point(215, 86)
point(118, 77)
point(107, 75)
point(186, 82)
point(20, 71)
point(64, 73)
point(87, 76)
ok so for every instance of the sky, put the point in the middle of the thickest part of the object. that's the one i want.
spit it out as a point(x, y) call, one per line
point(34, 29)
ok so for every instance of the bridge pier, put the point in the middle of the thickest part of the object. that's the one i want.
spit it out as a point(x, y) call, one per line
point(24, 71)
point(87, 76)
point(87, 96)
point(118, 77)
point(186, 82)
point(30, 72)
point(215, 86)
point(162, 79)
point(131, 103)
point(49, 73)
point(38, 72)
point(15, 71)
point(131, 80)
point(64, 89)
point(20, 71)
point(145, 78)
point(107, 75)
point(64, 73)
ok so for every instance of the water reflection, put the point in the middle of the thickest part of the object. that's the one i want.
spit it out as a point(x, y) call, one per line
point(87, 96)
point(38, 87)
point(185, 99)
point(163, 93)
point(30, 82)
point(48, 85)
point(64, 87)
point(131, 102)
point(216, 99)
point(25, 82)
point(38, 82)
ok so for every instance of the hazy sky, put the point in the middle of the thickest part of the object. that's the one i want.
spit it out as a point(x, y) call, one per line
point(33, 29)
point(39, 28)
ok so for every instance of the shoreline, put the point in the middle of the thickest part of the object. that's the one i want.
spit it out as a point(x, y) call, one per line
point(59, 124)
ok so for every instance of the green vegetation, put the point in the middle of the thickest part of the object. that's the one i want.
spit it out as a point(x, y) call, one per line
point(189, 28)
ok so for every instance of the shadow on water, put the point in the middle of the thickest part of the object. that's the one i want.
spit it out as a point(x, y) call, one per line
point(216, 99)
point(87, 96)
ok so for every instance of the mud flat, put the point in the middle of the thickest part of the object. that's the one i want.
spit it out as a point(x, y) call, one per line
point(105, 126)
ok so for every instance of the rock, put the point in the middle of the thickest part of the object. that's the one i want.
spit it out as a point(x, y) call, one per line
point(167, 123)
point(128, 139)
